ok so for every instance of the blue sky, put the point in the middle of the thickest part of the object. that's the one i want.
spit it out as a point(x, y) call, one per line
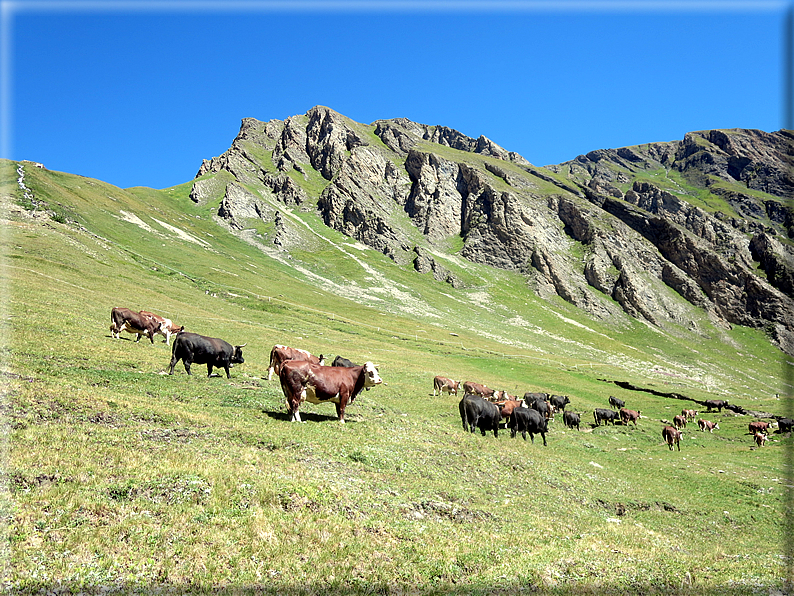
point(138, 93)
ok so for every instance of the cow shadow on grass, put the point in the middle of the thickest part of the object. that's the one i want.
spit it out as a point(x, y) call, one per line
point(307, 417)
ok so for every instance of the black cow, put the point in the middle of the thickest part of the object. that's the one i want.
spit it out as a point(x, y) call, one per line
point(784, 425)
point(560, 401)
point(604, 414)
point(192, 347)
point(715, 404)
point(571, 419)
point(543, 407)
point(527, 420)
point(476, 412)
point(530, 397)
point(616, 403)
point(340, 361)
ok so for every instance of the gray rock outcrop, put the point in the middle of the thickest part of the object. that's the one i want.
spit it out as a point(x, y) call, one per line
point(653, 231)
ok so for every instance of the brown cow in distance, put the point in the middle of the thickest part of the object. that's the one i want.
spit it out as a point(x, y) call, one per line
point(445, 385)
point(167, 327)
point(672, 436)
point(679, 421)
point(758, 426)
point(281, 354)
point(470, 387)
point(124, 319)
point(690, 414)
point(627, 416)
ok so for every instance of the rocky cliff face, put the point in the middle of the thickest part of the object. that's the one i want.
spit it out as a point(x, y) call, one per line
point(653, 231)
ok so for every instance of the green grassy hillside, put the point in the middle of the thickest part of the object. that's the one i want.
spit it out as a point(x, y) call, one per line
point(119, 477)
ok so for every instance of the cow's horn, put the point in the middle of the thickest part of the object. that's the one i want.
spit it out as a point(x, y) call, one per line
point(242, 346)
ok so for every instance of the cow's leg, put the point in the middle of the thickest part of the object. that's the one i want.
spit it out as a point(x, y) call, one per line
point(228, 376)
point(270, 372)
point(344, 398)
point(187, 364)
point(209, 370)
point(531, 437)
point(543, 434)
point(292, 409)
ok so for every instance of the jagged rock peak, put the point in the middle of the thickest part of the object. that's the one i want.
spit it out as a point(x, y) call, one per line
point(659, 231)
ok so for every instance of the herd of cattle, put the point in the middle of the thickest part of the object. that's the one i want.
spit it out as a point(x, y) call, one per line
point(304, 377)
point(486, 409)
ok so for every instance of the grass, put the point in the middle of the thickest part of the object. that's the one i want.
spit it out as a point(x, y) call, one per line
point(121, 478)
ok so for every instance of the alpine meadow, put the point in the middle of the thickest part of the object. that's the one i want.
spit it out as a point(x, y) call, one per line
point(661, 275)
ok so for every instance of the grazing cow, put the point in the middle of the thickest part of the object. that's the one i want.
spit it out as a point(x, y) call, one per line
point(604, 414)
point(616, 403)
point(671, 436)
point(281, 354)
point(707, 425)
point(715, 404)
point(473, 388)
point(339, 361)
point(758, 426)
point(192, 347)
point(302, 380)
point(445, 385)
point(679, 421)
point(784, 425)
point(760, 438)
point(167, 329)
point(560, 401)
point(627, 416)
point(571, 419)
point(477, 412)
point(689, 414)
point(527, 420)
point(124, 319)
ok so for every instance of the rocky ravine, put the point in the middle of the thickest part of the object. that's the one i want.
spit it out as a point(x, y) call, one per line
point(612, 231)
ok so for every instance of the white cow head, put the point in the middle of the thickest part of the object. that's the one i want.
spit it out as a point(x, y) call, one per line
point(371, 376)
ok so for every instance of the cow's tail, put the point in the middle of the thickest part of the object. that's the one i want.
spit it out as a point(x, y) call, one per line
point(272, 366)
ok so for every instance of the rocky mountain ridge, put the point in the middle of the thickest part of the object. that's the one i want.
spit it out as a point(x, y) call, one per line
point(656, 232)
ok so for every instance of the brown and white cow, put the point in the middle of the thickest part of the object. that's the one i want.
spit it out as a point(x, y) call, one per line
point(689, 414)
point(304, 381)
point(672, 436)
point(507, 406)
point(760, 438)
point(124, 319)
point(477, 389)
point(445, 385)
point(281, 354)
point(705, 425)
point(627, 416)
point(167, 329)
point(758, 426)
point(679, 421)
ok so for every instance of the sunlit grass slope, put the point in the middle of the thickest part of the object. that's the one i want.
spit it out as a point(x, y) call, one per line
point(119, 477)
